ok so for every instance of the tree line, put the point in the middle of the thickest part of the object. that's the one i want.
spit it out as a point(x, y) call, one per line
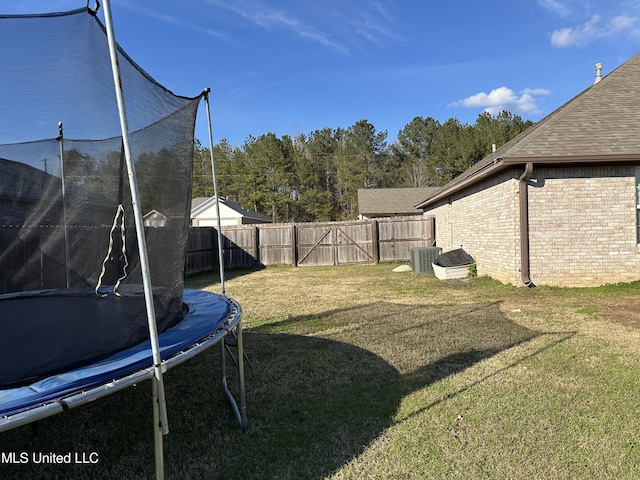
point(316, 177)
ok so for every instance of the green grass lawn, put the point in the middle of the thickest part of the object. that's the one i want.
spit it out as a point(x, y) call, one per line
point(360, 372)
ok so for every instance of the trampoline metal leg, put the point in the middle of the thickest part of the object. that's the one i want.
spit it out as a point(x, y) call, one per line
point(233, 342)
point(243, 401)
point(157, 432)
point(240, 412)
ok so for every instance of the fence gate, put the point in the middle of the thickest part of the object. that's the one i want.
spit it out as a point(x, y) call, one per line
point(336, 243)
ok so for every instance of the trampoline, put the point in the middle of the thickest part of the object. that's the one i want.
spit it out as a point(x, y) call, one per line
point(211, 317)
point(95, 195)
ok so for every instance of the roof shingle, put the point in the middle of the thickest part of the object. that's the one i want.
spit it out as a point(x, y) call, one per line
point(392, 201)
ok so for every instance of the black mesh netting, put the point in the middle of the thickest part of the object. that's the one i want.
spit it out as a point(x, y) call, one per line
point(66, 217)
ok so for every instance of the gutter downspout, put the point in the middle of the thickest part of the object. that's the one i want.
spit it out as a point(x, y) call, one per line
point(524, 225)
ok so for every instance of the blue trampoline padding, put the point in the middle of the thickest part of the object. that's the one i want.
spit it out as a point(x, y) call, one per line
point(208, 313)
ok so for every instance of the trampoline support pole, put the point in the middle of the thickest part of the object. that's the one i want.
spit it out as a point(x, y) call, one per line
point(215, 192)
point(243, 401)
point(160, 424)
point(239, 411)
point(157, 437)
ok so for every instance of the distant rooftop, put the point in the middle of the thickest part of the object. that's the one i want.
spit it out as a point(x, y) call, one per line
point(389, 202)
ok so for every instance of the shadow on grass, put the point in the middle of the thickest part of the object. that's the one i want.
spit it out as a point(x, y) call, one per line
point(323, 387)
point(212, 278)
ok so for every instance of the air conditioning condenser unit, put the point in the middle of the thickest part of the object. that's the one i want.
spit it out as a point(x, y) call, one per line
point(422, 259)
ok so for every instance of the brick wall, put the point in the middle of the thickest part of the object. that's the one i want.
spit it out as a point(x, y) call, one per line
point(484, 222)
point(582, 225)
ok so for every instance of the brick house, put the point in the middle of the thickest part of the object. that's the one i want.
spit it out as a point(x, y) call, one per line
point(559, 204)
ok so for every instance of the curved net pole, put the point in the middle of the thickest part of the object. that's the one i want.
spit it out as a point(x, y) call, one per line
point(241, 411)
point(215, 192)
point(159, 404)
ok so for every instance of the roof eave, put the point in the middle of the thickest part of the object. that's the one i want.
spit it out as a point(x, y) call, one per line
point(500, 164)
point(564, 160)
point(490, 169)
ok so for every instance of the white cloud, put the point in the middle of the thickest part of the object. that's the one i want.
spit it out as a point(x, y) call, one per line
point(367, 27)
point(558, 7)
point(622, 22)
point(536, 91)
point(503, 98)
point(595, 28)
point(374, 24)
point(335, 25)
point(172, 20)
point(270, 19)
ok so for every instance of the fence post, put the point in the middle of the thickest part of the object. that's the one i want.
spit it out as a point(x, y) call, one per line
point(294, 245)
point(213, 243)
point(375, 251)
point(256, 243)
point(334, 240)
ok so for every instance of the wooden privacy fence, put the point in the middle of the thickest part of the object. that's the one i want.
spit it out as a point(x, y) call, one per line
point(301, 244)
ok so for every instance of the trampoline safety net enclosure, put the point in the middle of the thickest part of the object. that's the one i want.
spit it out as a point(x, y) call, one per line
point(71, 287)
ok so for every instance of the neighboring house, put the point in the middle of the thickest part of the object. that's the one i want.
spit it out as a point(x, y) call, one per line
point(155, 219)
point(391, 202)
point(203, 213)
point(558, 204)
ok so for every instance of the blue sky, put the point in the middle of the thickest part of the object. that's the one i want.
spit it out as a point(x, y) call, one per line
point(292, 67)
